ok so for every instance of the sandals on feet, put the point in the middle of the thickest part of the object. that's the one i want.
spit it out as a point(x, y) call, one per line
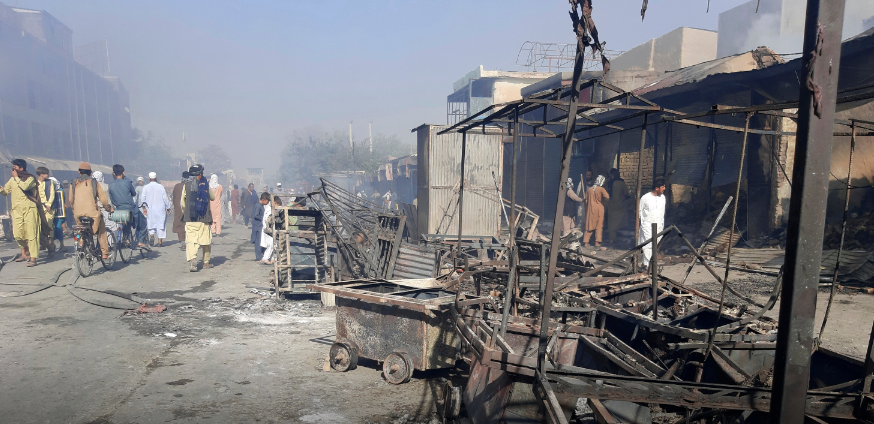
point(31, 264)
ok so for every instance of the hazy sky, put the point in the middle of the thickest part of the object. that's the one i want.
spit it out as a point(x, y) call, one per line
point(246, 74)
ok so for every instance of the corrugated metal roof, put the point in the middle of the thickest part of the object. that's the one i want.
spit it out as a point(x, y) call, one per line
point(855, 264)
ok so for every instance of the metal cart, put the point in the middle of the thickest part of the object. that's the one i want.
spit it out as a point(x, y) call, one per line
point(403, 326)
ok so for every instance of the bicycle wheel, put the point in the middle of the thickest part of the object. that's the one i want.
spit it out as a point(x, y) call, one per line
point(82, 262)
point(110, 260)
point(125, 247)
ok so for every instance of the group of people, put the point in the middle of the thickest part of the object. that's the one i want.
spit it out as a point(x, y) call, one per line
point(609, 200)
point(41, 207)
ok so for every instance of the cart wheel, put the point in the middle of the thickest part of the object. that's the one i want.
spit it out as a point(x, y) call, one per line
point(451, 408)
point(344, 357)
point(398, 368)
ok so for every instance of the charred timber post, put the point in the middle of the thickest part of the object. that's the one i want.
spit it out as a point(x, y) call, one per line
point(655, 272)
point(639, 183)
point(567, 145)
point(460, 198)
point(831, 296)
point(511, 226)
point(819, 66)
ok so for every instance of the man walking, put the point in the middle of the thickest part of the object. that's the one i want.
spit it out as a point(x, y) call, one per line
point(570, 208)
point(197, 216)
point(84, 197)
point(122, 194)
point(178, 224)
point(47, 194)
point(652, 210)
point(258, 226)
point(595, 211)
point(139, 189)
point(235, 204)
point(157, 207)
point(248, 200)
point(25, 215)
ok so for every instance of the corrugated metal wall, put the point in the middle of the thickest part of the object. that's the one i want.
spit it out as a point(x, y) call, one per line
point(441, 167)
point(728, 149)
point(688, 152)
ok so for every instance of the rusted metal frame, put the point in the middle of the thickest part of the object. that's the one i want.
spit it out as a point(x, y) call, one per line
point(513, 249)
point(707, 239)
point(364, 296)
point(719, 353)
point(606, 354)
point(727, 127)
point(600, 105)
point(466, 120)
point(648, 323)
point(457, 251)
point(612, 281)
point(594, 123)
point(807, 207)
point(617, 120)
point(740, 168)
point(651, 366)
point(539, 123)
point(831, 296)
point(544, 391)
point(655, 270)
point(567, 147)
point(602, 415)
point(634, 266)
point(694, 395)
point(529, 326)
point(731, 346)
point(616, 260)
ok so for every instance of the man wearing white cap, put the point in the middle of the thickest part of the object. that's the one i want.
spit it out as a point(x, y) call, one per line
point(157, 207)
point(139, 189)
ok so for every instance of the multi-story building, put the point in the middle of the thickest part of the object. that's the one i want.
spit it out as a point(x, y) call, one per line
point(53, 107)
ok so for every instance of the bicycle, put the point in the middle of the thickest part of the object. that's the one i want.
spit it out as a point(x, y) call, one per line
point(124, 237)
point(87, 248)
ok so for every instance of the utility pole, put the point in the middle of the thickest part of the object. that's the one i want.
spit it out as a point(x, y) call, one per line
point(351, 146)
point(370, 135)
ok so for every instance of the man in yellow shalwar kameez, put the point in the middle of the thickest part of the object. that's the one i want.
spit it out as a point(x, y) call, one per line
point(25, 215)
point(197, 216)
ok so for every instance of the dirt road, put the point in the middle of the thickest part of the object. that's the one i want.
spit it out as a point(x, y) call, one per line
point(221, 352)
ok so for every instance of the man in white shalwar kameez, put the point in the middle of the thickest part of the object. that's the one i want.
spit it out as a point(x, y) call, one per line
point(652, 210)
point(267, 239)
point(157, 207)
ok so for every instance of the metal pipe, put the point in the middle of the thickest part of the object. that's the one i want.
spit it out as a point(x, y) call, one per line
point(567, 147)
point(461, 198)
point(639, 183)
point(655, 272)
point(511, 243)
point(831, 296)
point(820, 67)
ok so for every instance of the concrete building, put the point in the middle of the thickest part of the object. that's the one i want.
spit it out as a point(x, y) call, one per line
point(53, 107)
point(778, 24)
point(677, 49)
point(481, 88)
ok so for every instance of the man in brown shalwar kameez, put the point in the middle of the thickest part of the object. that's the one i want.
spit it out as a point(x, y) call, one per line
point(595, 211)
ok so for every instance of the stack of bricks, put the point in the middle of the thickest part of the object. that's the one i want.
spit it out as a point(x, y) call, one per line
point(628, 169)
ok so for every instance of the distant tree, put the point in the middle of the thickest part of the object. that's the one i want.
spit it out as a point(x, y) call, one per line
point(214, 159)
point(152, 154)
point(307, 155)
